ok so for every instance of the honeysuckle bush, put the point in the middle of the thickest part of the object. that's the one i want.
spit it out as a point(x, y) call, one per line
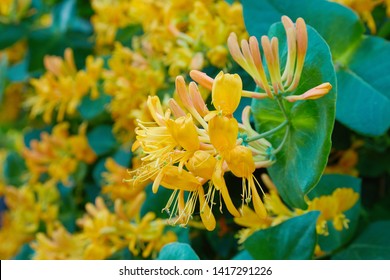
point(194, 130)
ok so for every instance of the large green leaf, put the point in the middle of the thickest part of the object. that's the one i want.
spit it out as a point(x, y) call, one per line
point(372, 244)
point(363, 102)
point(326, 186)
point(101, 139)
point(295, 239)
point(362, 62)
point(11, 33)
point(299, 165)
point(177, 251)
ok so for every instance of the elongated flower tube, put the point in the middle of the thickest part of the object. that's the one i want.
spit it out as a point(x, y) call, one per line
point(314, 93)
point(248, 56)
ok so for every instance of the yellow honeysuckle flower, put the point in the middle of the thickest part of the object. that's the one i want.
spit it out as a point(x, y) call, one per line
point(106, 232)
point(184, 132)
point(223, 132)
point(364, 8)
point(59, 244)
point(226, 92)
point(28, 207)
point(190, 150)
point(68, 84)
point(332, 208)
point(58, 153)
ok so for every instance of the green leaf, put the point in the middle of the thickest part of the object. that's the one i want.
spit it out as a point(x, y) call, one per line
point(125, 35)
point(338, 25)
point(13, 168)
point(10, 34)
point(295, 239)
point(177, 251)
point(363, 102)
point(101, 139)
point(63, 14)
point(326, 186)
point(91, 108)
point(372, 244)
point(243, 255)
point(300, 163)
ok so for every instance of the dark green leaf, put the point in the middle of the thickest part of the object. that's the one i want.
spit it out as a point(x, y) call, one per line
point(295, 239)
point(299, 165)
point(101, 139)
point(125, 35)
point(326, 186)
point(372, 244)
point(13, 168)
point(363, 102)
point(91, 108)
point(177, 251)
point(10, 34)
point(156, 202)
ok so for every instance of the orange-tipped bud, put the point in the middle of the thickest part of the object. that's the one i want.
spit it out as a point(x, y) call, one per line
point(314, 93)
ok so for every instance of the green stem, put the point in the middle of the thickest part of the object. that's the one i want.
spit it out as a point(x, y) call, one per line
point(281, 106)
point(270, 132)
point(278, 149)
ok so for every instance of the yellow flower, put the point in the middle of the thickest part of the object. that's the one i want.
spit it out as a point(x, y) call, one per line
point(364, 8)
point(226, 93)
point(183, 130)
point(28, 207)
point(185, 151)
point(107, 232)
point(62, 87)
point(59, 244)
point(332, 208)
point(114, 184)
point(58, 154)
point(223, 132)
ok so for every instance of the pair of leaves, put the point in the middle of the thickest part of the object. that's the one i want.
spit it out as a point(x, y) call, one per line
point(361, 61)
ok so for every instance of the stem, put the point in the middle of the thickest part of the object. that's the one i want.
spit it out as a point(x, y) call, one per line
point(278, 149)
point(270, 132)
point(281, 106)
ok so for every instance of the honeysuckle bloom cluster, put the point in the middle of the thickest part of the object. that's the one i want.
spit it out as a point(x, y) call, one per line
point(58, 154)
point(28, 208)
point(62, 87)
point(189, 148)
point(105, 232)
point(345, 161)
point(194, 34)
point(277, 80)
point(114, 185)
point(129, 74)
point(332, 209)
